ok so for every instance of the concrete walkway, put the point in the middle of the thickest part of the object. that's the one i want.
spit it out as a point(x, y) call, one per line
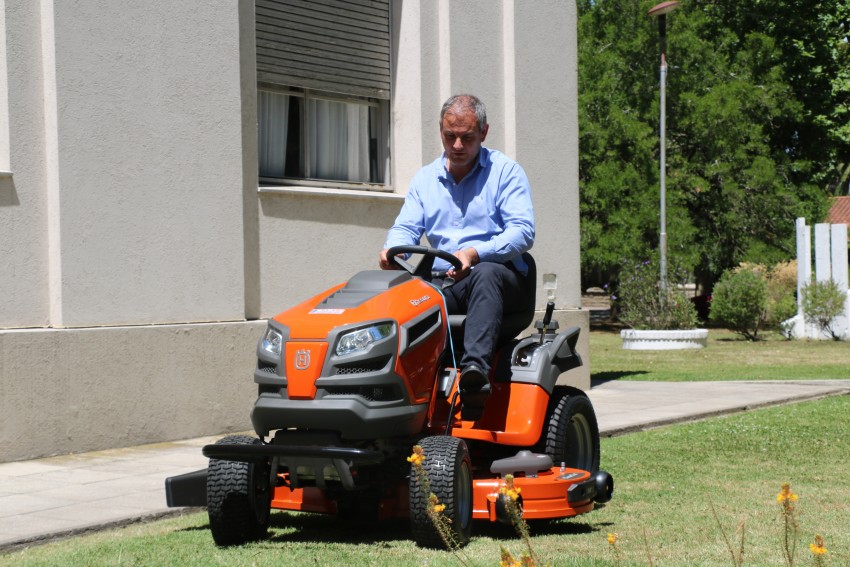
point(67, 495)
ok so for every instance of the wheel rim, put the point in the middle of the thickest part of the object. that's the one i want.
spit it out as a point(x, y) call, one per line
point(580, 443)
point(464, 497)
point(262, 500)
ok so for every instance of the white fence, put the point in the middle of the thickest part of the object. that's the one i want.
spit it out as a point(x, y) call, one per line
point(830, 258)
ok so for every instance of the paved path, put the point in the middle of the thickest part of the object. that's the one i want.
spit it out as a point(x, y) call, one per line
point(66, 495)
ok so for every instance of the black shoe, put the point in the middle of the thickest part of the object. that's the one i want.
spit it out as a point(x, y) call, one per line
point(474, 387)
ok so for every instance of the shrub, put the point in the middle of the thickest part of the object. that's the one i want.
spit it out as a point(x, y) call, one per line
point(823, 301)
point(784, 275)
point(739, 301)
point(642, 305)
point(781, 292)
point(780, 313)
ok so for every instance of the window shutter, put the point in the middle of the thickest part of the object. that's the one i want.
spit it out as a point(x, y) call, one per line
point(327, 45)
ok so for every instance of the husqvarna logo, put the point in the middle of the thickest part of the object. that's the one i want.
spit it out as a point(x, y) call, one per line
point(302, 359)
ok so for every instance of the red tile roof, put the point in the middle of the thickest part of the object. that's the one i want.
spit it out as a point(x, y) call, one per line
point(839, 212)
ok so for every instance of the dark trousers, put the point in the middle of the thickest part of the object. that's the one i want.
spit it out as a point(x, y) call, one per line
point(489, 292)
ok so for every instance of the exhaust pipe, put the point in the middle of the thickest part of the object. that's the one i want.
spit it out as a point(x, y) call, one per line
point(604, 487)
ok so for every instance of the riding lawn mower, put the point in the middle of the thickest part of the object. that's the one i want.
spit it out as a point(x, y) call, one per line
point(352, 379)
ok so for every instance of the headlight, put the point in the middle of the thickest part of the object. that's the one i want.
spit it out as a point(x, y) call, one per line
point(361, 338)
point(272, 342)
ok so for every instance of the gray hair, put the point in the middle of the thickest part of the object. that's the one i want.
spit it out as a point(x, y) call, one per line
point(462, 103)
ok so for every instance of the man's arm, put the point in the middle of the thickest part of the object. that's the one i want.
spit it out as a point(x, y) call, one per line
point(517, 212)
point(407, 229)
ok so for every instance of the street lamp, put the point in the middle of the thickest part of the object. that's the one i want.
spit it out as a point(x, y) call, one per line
point(660, 11)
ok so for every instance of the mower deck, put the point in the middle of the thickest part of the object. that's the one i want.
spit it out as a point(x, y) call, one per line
point(556, 493)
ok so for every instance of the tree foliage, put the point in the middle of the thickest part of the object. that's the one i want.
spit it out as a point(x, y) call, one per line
point(758, 104)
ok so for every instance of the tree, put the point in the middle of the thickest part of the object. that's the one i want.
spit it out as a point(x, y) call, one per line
point(757, 130)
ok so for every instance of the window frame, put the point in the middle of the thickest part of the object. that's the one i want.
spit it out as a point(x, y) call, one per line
point(305, 94)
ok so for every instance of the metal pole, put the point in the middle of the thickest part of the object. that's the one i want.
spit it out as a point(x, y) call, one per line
point(662, 20)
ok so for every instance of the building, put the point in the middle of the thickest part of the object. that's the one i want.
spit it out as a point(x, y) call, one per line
point(163, 189)
point(839, 211)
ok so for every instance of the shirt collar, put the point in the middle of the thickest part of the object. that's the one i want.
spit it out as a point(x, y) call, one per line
point(482, 161)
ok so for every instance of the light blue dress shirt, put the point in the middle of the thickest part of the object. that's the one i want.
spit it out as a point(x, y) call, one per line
point(490, 210)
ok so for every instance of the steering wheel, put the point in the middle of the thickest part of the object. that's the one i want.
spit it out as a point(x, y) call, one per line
point(423, 270)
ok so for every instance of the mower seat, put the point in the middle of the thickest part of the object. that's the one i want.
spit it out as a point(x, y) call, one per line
point(514, 322)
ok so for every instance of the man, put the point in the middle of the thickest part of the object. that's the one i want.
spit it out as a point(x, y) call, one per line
point(475, 203)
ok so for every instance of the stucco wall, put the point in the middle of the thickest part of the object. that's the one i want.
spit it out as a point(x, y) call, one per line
point(125, 207)
point(310, 242)
point(66, 391)
point(127, 164)
point(23, 207)
point(149, 163)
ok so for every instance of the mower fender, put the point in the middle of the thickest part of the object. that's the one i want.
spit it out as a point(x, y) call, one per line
point(542, 364)
point(566, 358)
point(188, 489)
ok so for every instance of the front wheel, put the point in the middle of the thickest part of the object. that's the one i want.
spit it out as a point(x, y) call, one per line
point(238, 497)
point(446, 473)
point(570, 432)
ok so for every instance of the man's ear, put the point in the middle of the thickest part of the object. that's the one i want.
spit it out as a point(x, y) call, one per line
point(484, 132)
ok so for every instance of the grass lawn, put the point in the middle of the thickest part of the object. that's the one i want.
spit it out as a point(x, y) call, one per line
point(668, 480)
point(727, 357)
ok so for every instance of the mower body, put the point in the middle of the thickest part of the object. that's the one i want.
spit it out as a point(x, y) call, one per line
point(352, 379)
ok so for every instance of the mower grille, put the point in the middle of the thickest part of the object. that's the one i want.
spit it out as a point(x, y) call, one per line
point(362, 366)
point(266, 369)
point(371, 393)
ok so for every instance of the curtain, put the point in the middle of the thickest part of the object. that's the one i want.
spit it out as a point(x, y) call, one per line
point(273, 116)
point(339, 140)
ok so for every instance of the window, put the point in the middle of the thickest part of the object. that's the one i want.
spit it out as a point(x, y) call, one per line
point(305, 135)
point(323, 70)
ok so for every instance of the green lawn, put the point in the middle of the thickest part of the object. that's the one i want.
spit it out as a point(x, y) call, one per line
point(727, 357)
point(667, 482)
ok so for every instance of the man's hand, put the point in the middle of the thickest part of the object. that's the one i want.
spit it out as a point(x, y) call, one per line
point(468, 257)
point(385, 263)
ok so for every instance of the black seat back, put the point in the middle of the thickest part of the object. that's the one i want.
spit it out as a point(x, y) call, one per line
point(516, 318)
point(516, 321)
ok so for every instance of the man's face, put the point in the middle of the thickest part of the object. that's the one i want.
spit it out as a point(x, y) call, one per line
point(462, 138)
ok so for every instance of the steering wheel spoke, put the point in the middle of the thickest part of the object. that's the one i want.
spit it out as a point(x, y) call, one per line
point(423, 269)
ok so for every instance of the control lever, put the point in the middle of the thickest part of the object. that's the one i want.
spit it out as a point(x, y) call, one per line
point(546, 324)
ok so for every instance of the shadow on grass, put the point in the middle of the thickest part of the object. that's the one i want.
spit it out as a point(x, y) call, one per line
point(740, 339)
point(319, 528)
point(313, 528)
point(599, 378)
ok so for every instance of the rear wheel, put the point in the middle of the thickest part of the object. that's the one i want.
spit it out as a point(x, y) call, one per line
point(571, 432)
point(446, 473)
point(238, 497)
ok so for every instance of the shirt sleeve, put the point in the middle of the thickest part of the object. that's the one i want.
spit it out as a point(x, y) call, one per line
point(409, 226)
point(517, 212)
